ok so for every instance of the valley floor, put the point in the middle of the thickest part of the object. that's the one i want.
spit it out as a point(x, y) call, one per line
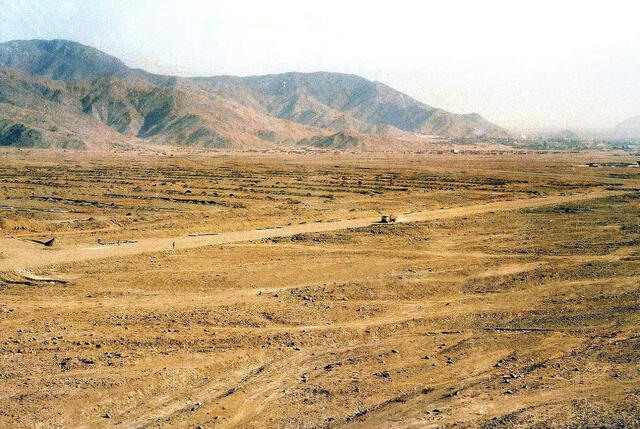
point(507, 297)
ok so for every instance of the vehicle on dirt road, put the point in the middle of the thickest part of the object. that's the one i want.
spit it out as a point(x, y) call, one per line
point(385, 218)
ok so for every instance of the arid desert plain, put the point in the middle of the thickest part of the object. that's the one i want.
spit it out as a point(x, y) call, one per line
point(247, 290)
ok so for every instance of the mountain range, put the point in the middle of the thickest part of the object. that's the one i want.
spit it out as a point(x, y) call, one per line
point(62, 94)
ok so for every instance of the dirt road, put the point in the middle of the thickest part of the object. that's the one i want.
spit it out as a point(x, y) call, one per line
point(21, 255)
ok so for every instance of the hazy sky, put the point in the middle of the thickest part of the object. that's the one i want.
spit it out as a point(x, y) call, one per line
point(539, 63)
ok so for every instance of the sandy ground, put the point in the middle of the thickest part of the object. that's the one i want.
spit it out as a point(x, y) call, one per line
point(20, 256)
point(507, 296)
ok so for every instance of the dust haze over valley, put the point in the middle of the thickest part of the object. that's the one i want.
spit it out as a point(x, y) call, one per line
point(280, 215)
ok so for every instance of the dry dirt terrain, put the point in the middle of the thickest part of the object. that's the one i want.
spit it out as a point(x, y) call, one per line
point(249, 290)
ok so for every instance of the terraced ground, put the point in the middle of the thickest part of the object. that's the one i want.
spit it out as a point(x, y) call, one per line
point(526, 317)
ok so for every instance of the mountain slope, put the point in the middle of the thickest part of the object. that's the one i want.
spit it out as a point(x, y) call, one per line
point(118, 108)
point(63, 94)
point(345, 102)
point(629, 128)
point(59, 59)
point(40, 112)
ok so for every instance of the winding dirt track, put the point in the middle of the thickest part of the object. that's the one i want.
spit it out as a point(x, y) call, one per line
point(21, 255)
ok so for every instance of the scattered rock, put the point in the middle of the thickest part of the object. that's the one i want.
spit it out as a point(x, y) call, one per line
point(64, 363)
point(451, 394)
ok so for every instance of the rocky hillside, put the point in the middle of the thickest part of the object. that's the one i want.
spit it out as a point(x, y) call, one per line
point(63, 94)
point(343, 102)
point(129, 107)
point(338, 141)
point(42, 113)
point(60, 59)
